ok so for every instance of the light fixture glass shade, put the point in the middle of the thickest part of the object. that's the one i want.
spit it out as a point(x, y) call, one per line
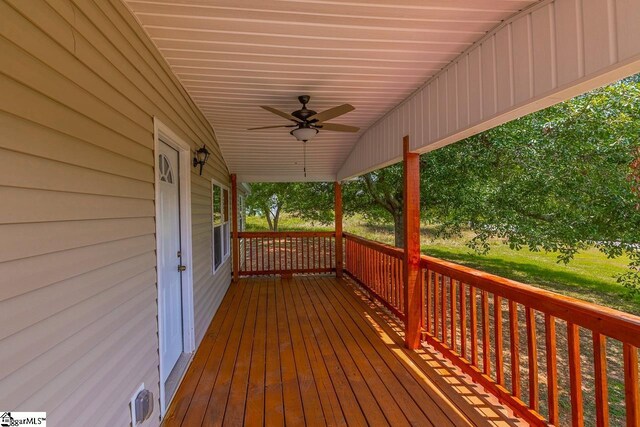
point(304, 133)
point(202, 154)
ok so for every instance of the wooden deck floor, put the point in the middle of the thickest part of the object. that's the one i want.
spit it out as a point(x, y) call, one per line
point(313, 351)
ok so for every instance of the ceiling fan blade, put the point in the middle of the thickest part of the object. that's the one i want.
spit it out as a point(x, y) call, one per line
point(338, 128)
point(279, 113)
point(272, 127)
point(332, 113)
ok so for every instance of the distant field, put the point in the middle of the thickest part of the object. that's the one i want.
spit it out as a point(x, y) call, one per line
point(590, 276)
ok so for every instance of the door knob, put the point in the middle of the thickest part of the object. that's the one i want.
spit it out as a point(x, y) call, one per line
point(182, 268)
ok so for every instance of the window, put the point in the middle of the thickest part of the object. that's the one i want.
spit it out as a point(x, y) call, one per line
point(220, 222)
point(166, 174)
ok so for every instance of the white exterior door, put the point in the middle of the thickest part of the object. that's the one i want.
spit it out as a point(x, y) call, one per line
point(169, 257)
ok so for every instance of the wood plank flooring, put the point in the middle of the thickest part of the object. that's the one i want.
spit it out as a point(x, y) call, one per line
point(312, 351)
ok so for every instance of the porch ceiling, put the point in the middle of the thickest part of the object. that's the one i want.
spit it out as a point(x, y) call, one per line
point(234, 55)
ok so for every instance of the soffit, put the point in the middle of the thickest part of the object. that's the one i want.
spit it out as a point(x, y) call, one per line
point(234, 55)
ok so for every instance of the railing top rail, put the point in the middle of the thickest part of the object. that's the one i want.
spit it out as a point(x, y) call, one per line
point(613, 323)
point(382, 247)
point(286, 234)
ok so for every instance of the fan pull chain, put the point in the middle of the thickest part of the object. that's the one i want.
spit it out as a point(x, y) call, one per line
point(304, 156)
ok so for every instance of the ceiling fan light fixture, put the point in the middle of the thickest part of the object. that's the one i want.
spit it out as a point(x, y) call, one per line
point(304, 133)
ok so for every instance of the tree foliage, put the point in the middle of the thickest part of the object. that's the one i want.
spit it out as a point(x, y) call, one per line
point(312, 201)
point(556, 180)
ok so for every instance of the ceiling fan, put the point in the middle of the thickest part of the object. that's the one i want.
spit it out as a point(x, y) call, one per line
point(307, 123)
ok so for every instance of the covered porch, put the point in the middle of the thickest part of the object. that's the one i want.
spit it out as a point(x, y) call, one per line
point(128, 127)
point(316, 350)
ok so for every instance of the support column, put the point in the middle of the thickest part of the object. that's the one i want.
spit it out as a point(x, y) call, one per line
point(234, 227)
point(338, 220)
point(412, 278)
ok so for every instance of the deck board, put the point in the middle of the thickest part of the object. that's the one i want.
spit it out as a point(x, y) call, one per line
point(311, 350)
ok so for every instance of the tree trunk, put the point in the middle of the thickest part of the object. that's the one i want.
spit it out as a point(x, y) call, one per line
point(398, 226)
point(276, 218)
point(267, 213)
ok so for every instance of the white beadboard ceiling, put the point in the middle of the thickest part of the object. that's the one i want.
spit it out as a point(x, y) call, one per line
point(234, 55)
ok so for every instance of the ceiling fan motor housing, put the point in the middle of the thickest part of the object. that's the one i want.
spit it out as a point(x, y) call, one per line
point(304, 113)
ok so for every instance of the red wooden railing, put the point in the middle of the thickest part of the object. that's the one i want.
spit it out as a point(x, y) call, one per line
point(494, 329)
point(267, 253)
point(378, 268)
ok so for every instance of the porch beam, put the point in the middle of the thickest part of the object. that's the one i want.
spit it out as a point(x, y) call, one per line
point(234, 226)
point(413, 299)
point(338, 227)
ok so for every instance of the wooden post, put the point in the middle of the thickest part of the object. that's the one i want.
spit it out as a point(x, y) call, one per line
point(338, 220)
point(413, 294)
point(234, 226)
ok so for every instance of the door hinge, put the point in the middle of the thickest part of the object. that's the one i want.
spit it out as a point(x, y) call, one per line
point(182, 268)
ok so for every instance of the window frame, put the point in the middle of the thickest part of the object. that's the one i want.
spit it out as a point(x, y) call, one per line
point(225, 226)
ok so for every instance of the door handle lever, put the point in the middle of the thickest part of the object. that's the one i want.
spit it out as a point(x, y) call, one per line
point(182, 268)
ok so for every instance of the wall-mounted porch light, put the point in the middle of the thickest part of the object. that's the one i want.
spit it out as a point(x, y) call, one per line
point(201, 157)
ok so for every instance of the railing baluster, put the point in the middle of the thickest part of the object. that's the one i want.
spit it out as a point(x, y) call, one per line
point(575, 376)
point(262, 250)
point(251, 253)
point(552, 367)
point(436, 305)
point(473, 312)
point(631, 394)
point(429, 308)
point(443, 307)
point(286, 261)
point(532, 352)
point(497, 318)
point(600, 371)
point(514, 346)
point(452, 295)
point(486, 353)
point(463, 320)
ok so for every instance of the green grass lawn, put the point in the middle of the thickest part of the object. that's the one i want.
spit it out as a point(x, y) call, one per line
point(590, 276)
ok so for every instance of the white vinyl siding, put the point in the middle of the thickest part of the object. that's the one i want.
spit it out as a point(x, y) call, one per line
point(80, 84)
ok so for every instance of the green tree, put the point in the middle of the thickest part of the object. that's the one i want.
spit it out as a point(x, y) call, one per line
point(377, 196)
point(556, 180)
point(310, 201)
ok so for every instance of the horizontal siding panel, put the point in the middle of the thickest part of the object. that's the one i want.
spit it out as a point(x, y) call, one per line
point(109, 379)
point(47, 301)
point(31, 104)
point(27, 137)
point(28, 205)
point(16, 170)
point(36, 272)
point(29, 71)
point(72, 362)
point(18, 350)
point(32, 239)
